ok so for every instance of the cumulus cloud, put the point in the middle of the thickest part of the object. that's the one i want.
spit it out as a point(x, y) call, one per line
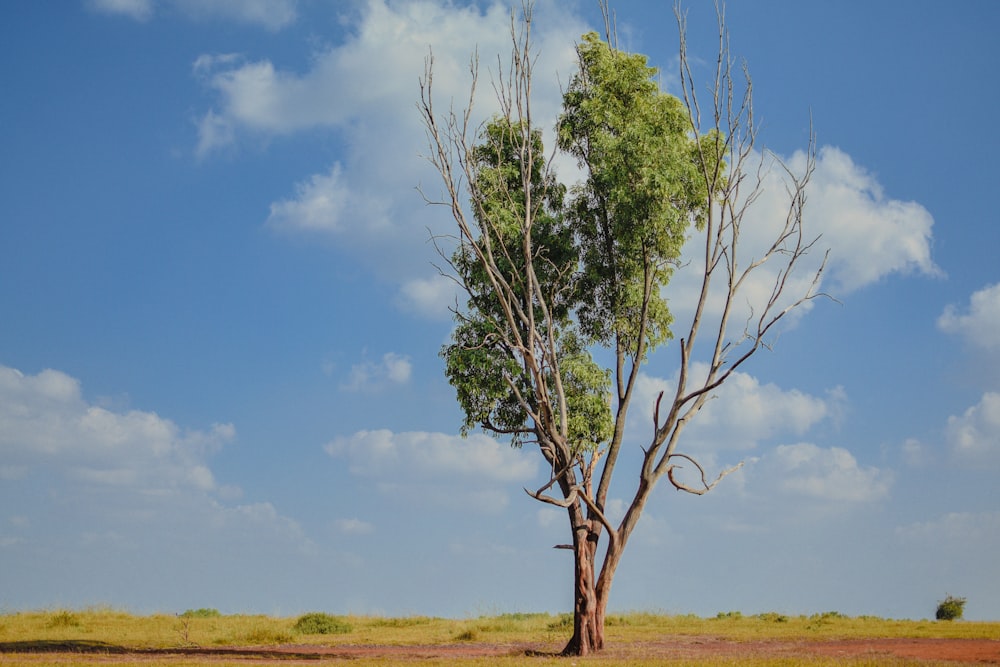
point(45, 421)
point(437, 469)
point(974, 435)
point(828, 474)
point(979, 324)
point(744, 412)
point(431, 297)
point(269, 14)
point(318, 203)
point(364, 88)
point(373, 74)
point(123, 490)
point(869, 235)
point(392, 369)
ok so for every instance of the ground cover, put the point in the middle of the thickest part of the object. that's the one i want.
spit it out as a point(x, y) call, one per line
point(93, 636)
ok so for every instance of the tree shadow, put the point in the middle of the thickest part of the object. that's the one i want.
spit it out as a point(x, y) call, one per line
point(61, 646)
point(98, 647)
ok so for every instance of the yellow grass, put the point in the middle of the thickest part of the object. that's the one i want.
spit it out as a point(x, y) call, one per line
point(115, 632)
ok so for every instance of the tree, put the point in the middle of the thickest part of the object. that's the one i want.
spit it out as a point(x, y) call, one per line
point(551, 275)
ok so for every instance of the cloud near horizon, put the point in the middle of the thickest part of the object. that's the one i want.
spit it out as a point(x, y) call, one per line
point(110, 484)
point(46, 423)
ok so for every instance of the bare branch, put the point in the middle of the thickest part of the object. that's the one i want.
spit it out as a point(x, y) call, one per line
point(706, 486)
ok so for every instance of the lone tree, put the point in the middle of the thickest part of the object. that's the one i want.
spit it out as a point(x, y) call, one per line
point(551, 274)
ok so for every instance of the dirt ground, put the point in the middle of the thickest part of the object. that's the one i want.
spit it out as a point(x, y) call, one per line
point(978, 651)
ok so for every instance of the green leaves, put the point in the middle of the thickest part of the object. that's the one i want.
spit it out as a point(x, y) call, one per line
point(632, 213)
point(547, 278)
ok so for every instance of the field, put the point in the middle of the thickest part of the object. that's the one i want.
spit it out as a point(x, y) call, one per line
point(102, 636)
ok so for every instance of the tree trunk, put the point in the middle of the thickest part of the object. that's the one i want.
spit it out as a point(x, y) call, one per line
point(588, 607)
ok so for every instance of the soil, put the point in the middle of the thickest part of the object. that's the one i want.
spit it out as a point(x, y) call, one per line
point(978, 651)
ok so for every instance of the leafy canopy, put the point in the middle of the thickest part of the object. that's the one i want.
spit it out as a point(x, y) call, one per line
point(549, 276)
point(632, 213)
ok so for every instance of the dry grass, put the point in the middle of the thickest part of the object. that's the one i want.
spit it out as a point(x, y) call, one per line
point(116, 632)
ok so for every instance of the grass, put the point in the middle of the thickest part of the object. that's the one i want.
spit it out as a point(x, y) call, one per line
point(112, 631)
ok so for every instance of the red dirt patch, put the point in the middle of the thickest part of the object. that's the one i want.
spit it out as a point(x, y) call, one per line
point(980, 651)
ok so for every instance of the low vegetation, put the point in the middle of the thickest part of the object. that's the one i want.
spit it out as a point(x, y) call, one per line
point(318, 623)
point(950, 609)
point(208, 628)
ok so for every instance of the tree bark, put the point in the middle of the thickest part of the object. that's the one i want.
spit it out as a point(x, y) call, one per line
point(588, 607)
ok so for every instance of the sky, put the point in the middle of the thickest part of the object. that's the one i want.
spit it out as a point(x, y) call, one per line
point(219, 373)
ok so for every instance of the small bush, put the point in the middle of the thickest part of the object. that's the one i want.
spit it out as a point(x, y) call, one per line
point(467, 636)
point(950, 608)
point(729, 615)
point(201, 613)
point(772, 617)
point(318, 623)
point(562, 622)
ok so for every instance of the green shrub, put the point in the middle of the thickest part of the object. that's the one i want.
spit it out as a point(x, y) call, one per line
point(950, 608)
point(562, 622)
point(772, 617)
point(318, 623)
point(201, 613)
point(729, 615)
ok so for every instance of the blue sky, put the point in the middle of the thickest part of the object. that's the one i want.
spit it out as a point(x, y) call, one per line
point(219, 381)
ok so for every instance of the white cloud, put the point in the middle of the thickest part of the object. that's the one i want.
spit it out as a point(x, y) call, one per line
point(436, 469)
point(269, 14)
point(423, 455)
point(742, 413)
point(975, 435)
point(980, 322)
point(44, 421)
point(392, 369)
point(365, 88)
point(374, 73)
point(123, 490)
point(431, 297)
point(829, 474)
point(318, 204)
point(870, 236)
point(139, 10)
